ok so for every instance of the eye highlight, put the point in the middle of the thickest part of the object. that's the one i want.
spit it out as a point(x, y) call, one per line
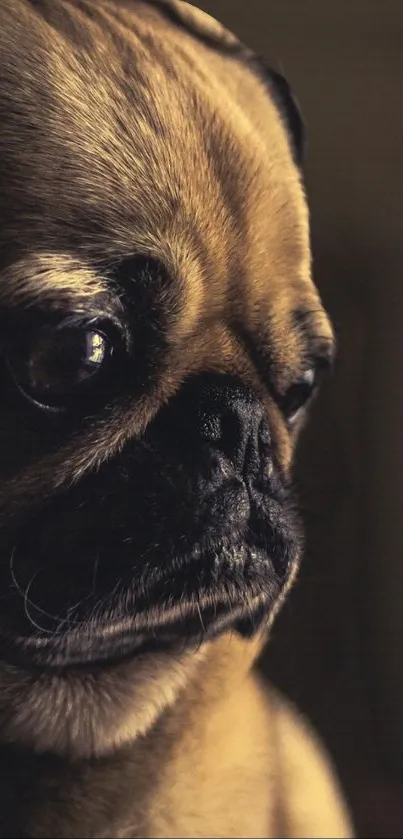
point(59, 362)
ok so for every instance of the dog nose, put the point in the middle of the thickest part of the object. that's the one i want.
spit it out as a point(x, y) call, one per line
point(231, 419)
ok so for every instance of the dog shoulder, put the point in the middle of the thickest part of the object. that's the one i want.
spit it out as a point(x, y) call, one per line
point(309, 798)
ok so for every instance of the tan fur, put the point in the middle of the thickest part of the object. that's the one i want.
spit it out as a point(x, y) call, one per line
point(82, 722)
point(229, 758)
point(123, 132)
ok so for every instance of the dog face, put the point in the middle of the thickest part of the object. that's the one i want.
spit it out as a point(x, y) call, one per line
point(160, 336)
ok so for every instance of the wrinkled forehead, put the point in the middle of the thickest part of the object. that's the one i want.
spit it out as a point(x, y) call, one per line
point(116, 138)
point(84, 145)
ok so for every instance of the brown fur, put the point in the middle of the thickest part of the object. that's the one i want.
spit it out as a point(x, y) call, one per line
point(123, 132)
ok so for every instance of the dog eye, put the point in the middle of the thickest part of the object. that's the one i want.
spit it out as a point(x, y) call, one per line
point(59, 361)
point(297, 396)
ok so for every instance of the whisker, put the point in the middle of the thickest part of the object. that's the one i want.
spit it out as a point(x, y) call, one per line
point(200, 617)
point(24, 594)
point(28, 602)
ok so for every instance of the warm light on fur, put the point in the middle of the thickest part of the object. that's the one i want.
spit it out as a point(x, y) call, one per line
point(146, 128)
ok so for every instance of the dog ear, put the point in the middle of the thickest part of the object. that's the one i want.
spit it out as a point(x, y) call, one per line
point(213, 33)
point(286, 102)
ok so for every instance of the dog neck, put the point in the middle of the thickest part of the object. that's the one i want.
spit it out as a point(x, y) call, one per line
point(115, 794)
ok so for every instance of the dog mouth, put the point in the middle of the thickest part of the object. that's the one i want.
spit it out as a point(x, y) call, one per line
point(191, 599)
point(161, 548)
point(192, 612)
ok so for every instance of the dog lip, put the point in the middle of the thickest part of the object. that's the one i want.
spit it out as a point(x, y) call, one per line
point(233, 581)
point(114, 643)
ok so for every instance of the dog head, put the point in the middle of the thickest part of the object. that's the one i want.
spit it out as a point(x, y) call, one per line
point(161, 337)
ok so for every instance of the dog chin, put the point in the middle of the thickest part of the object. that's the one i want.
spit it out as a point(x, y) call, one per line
point(84, 713)
point(101, 627)
point(90, 711)
point(91, 689)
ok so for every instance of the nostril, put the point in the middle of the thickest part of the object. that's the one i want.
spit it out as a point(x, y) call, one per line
point(244, 440)
point(222, 413)
point(225, 431)
point(234, 437)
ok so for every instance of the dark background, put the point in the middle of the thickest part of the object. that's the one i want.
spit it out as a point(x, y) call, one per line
point(337, 648)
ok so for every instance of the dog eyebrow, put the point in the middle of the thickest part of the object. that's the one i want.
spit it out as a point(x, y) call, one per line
point(49, 278)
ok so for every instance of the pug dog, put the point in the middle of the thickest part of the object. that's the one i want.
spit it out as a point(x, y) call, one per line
point(160, 341)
